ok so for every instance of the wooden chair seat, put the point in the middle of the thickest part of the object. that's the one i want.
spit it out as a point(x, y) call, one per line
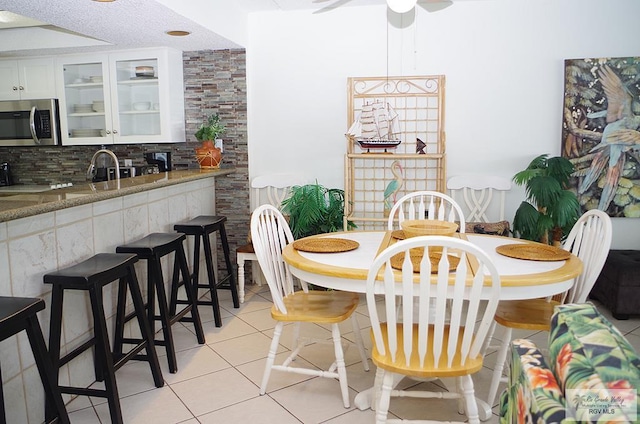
point(428, 369)
point(533, 314)
point(324, 307)
point(245, 248)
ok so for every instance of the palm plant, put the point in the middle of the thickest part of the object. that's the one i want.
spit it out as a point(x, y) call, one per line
point(550, 209)
point(315, 209)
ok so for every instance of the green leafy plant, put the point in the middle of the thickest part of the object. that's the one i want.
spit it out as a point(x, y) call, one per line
point(550, 209)
point(211, 129)
point(315, 209)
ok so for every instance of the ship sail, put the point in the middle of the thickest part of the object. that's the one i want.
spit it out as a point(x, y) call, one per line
point(376, 126)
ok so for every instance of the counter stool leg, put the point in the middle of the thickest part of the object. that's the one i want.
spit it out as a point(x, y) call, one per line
point(102, 345)
point(164, 316)
point(118, 337)
point(55, 333)
point(49, 380)
point(230, 268)
point(212, 280)
point(190, 291)
point(138, 303)
point(151, 295)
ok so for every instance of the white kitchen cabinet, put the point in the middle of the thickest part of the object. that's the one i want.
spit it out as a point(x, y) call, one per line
point(27, 79)
point(104, 102)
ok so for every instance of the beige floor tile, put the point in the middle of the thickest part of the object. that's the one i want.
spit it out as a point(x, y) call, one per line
point(353, 417)
point(313, 401)
point(258, 410)
point(254, 304)
point(232, 327)
point(160, 406)
point(194, 362)
point(243, 349)
point(214, 391)
point(254, 371)
point(260, 319)
point(84, 416)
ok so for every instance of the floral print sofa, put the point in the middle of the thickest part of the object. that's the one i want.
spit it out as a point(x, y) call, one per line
point(592, 376)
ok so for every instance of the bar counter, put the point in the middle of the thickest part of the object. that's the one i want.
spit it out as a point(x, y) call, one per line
point(50, 230)
point(22, 205)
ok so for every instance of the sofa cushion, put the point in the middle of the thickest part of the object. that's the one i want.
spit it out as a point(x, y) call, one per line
point(533, 394)
point(590, 353)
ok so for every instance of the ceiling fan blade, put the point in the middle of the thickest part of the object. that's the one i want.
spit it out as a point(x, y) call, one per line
point(331, 6)
point(434, 5)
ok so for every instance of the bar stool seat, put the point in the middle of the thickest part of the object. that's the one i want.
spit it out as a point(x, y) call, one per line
point(152, 248)
point(201, 227)
point(19, 314)
point(93, 275)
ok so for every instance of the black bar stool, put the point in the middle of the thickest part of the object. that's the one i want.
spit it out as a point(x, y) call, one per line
point(152, 248)
point(92, 275)
point(19, 314)
point(201, 227)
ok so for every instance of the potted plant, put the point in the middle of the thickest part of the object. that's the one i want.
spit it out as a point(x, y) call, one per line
point(208, 155)
point(315, 209)
point(550, 209)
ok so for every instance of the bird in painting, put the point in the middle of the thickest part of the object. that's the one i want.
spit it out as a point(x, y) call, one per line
point(619, 136)
point(394, 185)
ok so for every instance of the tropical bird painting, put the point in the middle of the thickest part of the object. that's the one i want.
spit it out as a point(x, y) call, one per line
point(602, 129)
point(394, 186)
point(619, 136)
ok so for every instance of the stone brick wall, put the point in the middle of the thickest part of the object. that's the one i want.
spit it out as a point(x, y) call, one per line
point(215, 82)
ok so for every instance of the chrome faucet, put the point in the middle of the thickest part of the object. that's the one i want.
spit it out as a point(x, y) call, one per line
point(91, 171)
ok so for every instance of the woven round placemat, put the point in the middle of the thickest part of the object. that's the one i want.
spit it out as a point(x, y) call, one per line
point(396, 261)
point(533, 252)
point(325, 245)
point(398, 234)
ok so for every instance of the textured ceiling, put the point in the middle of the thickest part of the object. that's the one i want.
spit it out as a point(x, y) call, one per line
point(84, 25)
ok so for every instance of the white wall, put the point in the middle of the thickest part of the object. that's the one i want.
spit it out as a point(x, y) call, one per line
point(503, 60)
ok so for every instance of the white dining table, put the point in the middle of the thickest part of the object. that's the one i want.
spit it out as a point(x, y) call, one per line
point(347, 271)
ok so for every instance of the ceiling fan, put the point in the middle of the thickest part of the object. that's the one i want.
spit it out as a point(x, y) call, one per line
point(397, 6)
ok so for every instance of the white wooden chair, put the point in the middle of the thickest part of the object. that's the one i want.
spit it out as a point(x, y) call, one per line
point(425, 205)
point(589, 240)
point(266, 189)
point(482, 197)
point(412, 339)
point(270, 233)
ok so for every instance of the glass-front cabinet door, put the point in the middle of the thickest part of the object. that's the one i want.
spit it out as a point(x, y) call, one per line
point(136, 105)
point(123, 97)
point(85, 102)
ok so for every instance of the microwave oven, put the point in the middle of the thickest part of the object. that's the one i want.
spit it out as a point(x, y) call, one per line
point(29, 122)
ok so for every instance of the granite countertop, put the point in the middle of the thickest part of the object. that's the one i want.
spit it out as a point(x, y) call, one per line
point(14, 206)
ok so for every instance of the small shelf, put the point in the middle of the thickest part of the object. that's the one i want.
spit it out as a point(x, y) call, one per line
point(80, 115)
point(85, 85)
point(139, 112)
point(145, 81)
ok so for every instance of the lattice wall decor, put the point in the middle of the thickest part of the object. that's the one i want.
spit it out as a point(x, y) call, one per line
point(419, 160)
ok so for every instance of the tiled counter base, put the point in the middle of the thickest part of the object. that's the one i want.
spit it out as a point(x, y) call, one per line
point(35, 245)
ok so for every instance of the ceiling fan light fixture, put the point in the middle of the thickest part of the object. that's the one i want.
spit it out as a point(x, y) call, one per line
point(401, 6)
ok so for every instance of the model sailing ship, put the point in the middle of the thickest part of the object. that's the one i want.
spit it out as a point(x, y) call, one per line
point(376, 127)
